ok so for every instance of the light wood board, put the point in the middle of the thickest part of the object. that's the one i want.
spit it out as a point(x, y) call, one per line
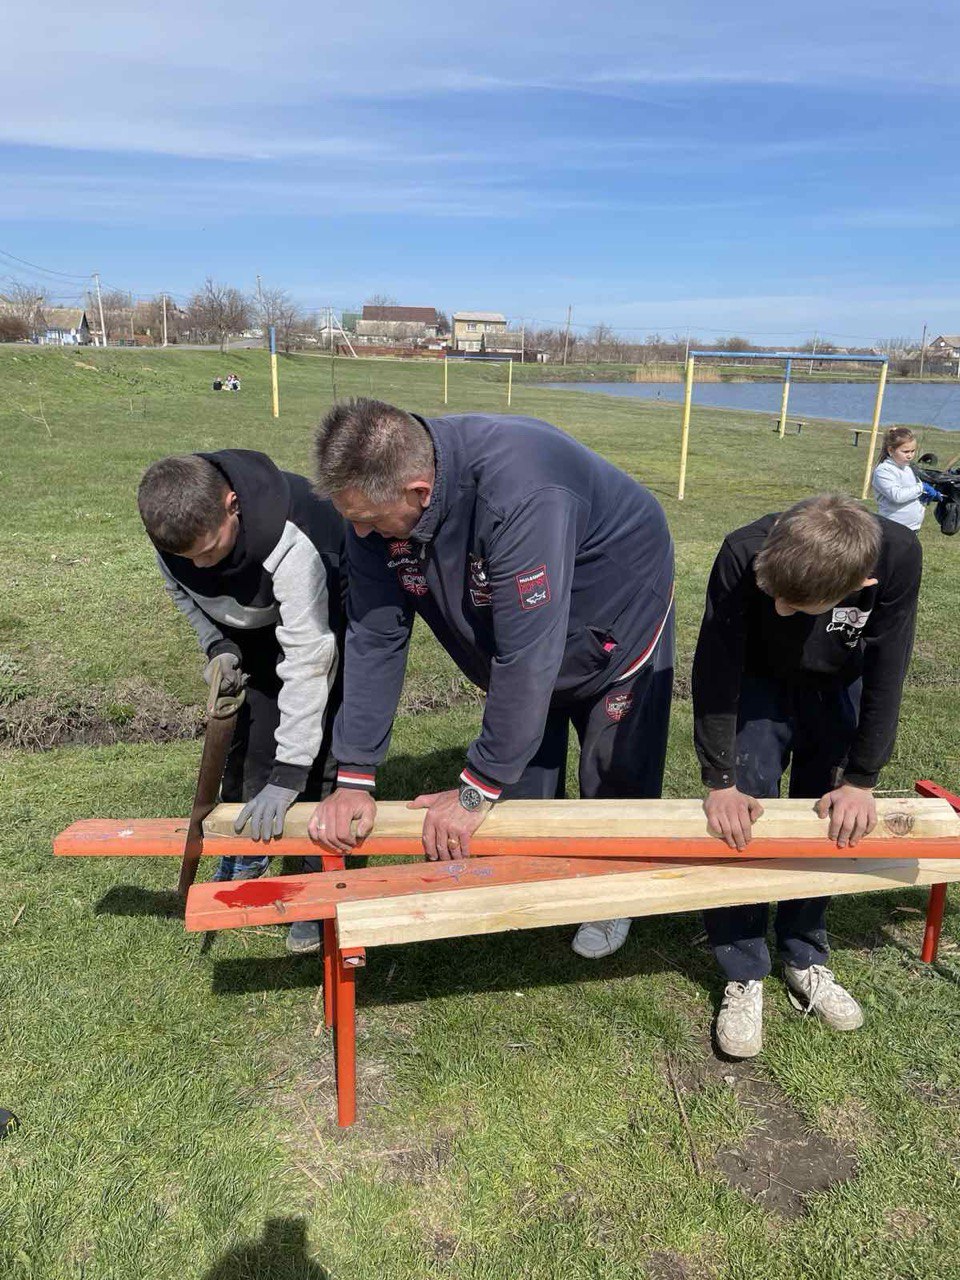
point(660, 891)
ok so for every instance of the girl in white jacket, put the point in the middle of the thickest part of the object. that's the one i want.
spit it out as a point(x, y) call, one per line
point(895, 485)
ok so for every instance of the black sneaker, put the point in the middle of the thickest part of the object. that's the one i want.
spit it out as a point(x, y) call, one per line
point(305, 937)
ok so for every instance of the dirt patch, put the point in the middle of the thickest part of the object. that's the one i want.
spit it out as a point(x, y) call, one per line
point(782, 1160)
point(134, 712)
point(667, 1265)
point(903, 1223)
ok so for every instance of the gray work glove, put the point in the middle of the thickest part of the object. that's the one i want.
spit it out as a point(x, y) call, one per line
point(266, 812)
point(232, 676)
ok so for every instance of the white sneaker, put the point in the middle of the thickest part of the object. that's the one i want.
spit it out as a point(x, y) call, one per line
point(740, 1020)
point(816, 990)
point(600, 938)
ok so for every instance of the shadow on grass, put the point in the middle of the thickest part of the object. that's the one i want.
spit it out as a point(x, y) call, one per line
point(134, 900)
point(281, 1254)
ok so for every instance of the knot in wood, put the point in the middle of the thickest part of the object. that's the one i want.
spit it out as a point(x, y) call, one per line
point(899, 824)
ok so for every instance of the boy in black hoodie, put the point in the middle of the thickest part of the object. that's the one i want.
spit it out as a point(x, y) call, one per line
point(252, 558)
point(803, 650)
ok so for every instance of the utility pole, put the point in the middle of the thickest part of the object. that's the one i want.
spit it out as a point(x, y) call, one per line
point(816, 339)
point(566, 335)
point(923, 349)
point(164, 297)
point(523, 330)
point(103, 327)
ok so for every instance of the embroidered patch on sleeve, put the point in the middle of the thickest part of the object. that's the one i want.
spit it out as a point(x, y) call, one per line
point(534, 588)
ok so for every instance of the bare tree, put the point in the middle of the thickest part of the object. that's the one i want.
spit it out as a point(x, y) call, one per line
point(21, 307)
point(217, 311)
point(275, 307)
point(380, 300)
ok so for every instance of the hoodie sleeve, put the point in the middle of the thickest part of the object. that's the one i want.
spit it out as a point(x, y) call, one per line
point(530, 564)
point(888, 643)
point(380, 619)
point(718, 666)
point(211, 638)
point(309, 662)
point(896, 486)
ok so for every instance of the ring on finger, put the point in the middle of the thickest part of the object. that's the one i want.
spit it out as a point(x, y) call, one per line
point(452, 843)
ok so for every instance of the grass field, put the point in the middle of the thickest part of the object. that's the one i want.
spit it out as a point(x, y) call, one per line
point(519, 1106)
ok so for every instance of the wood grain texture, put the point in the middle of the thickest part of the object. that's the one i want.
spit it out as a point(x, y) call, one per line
point(660, 891)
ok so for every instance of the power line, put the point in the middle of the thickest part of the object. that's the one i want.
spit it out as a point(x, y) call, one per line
point(63, 275)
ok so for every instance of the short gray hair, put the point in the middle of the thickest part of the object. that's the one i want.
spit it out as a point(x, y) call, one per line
point(371, 446)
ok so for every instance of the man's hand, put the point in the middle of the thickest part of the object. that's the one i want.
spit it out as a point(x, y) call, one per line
point(731, 815)
point(852, 812)
point(232, 677)
point(331, 822)
point(266, 812)
point(447, 827)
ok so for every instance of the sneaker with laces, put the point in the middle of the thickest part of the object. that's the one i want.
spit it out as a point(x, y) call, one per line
point(816, 990)
point(305, 937)
point(739, 1027)
point(600, 938)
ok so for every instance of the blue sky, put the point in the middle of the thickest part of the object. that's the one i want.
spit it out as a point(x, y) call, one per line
point(658, 167)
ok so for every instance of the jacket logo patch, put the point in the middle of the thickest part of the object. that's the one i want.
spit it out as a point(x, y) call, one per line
point(400, 548)
point(616, 705)
point(481, 592)
point(534, 588)
point(412, 580)
point(849, 621)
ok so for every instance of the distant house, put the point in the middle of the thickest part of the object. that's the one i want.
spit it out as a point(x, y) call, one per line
point(946, 345)
point(471, 328)
point(65, 327)
point(503, 342)
point(397, 326)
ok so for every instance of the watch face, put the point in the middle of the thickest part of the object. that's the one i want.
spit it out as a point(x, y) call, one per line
point(470, 798)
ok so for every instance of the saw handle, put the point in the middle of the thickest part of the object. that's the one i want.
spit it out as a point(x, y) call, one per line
point(221, 706)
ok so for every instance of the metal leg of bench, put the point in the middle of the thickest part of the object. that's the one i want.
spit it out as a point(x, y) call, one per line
point(345, 1033)
point(329, 862)
point(931, 933)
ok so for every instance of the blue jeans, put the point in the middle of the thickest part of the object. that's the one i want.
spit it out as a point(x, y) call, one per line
point(810, 726)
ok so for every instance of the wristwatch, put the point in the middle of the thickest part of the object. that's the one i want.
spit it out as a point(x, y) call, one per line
point(470, 798)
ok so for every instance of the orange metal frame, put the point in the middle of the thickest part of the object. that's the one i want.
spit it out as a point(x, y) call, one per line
point(282, 900)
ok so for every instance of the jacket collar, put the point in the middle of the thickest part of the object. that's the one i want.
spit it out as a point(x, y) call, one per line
point(440, 500)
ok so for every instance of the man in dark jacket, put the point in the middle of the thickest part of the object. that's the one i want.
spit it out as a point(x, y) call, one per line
point(802, 652)
point(547, 575)
point(252, 558)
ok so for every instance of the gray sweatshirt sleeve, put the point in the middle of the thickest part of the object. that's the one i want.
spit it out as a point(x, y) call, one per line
point(375, 659)
point(896, 485)
point(309, 661)
point(208, 633)
point(530, 565)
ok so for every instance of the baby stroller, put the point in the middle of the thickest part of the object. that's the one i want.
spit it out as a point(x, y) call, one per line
point(947, 485)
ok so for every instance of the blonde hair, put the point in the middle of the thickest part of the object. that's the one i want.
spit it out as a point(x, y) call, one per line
point(818, 551)
point(893, 438)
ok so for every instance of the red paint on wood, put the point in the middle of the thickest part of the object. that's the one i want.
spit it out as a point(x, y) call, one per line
point(259, 893)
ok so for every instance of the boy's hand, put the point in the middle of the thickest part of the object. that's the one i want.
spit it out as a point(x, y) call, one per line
point(332, 819)
point(266, 812)
point(852, 812)
point(731, 815)
point(232, 678)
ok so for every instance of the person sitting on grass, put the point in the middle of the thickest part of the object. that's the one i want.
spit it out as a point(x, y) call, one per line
point(900, 494)
point(252, 558)
point(802, 653)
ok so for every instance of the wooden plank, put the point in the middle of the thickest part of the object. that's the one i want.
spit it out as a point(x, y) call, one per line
point(662, 890)
point(159, 838)
point(608, 822)
point(315, 896)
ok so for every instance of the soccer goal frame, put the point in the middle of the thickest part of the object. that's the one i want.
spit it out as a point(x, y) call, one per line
point(787, 357)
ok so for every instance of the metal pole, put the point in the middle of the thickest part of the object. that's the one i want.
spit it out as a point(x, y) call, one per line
point(566, 335)
point(103, 327)
point(273, 371)
point(509, 383)
point(444, 379)
point(164, 319)
point(923, 349)
point(523, 341)
point(878, 405)
point(783, 402)
point(685, 428)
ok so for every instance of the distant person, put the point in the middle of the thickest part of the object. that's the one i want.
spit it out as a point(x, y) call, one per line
point(233, 382)
point(901, 495)
point(547, 575)
point(252, 558)
point(218, 384)
point(803, 650)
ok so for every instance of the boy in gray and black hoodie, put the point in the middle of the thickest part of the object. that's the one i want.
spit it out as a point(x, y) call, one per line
point(252, 558)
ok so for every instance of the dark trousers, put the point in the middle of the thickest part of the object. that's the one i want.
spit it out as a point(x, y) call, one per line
point(810, 727)
point(251, 756)
point(622, 733)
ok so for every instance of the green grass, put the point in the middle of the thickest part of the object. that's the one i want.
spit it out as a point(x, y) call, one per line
point(517, 1118)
